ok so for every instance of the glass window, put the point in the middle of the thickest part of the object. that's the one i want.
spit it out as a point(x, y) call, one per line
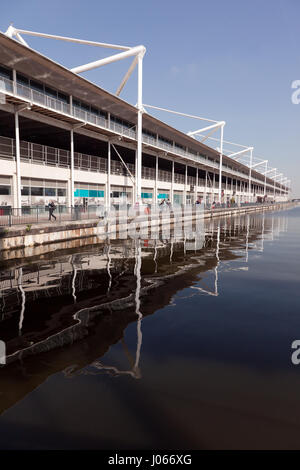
point(25, 191)
point(61, 192)
point(5, 73)
point(50, 191)
point(103, 114)
point(118, 194)
point(22, 80)
point(4, 190)
point(94, 111)
point(37, 191)
point(37, 86)
point(63, 97)
point(51, 92)
point(85, 107)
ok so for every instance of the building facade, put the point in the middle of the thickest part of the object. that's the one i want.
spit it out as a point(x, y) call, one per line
point(65, 139)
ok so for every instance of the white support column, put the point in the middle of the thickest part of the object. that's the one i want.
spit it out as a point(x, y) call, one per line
point(185, 186)
point(221, 163)
point(156, 180)
point(138, 173)
point(17, 189)
point(108, 176)
point(213, 189)
point(172, 184)
point(275, 184)
point(14, 74)
point(71, 105)
point(205, 188)
point(71, 185)
point(196, 189)
point(250, 174)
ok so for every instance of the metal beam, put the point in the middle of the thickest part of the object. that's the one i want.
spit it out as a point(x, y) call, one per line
point(12, 31)
point(178, 113)
point(109, 60)
point(260, 163)
point(240, 153)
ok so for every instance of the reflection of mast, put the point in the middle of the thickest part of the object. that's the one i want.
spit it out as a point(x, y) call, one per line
point(108, 269)
point(171, 250)
point(74, 275)
point(263, 233)
point(20, 274)
point(135, 371)
point(155, 256)
point(137, 271)
point(247, 238)
point(214, 293)
point(218, 259)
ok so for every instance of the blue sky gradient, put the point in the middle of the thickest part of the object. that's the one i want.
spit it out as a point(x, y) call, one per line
point(227, 60)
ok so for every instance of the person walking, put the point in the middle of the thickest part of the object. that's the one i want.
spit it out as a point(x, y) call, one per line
point(52, 208)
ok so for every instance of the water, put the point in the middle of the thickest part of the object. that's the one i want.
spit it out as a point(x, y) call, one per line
point(166, 344)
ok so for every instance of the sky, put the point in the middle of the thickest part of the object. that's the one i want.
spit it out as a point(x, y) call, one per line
point(227, 60)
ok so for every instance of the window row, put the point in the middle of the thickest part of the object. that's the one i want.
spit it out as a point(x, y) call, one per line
point(40, 191)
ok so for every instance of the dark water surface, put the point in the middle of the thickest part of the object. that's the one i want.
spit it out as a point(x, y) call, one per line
point(156, 344)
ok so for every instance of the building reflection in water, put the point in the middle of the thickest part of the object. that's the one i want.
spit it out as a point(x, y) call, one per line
point(98, 291)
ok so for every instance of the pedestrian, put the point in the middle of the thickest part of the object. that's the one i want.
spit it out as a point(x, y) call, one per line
point(52, 208)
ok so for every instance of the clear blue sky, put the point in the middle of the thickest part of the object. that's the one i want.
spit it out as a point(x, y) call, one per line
point(231, 60)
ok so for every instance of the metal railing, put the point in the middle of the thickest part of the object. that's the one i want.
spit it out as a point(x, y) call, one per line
point(164, 175)
point(47, 101)
point(179, 178)
point(29, 216)
point(117, 168)
point(148, 173)
point(40, 214)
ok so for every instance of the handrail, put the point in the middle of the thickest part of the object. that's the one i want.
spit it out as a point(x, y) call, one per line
point(39, 98)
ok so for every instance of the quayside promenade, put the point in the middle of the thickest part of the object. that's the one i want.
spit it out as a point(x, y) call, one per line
point(183, 221)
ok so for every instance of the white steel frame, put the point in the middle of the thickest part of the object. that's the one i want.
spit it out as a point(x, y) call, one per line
point(212, 128)
point(138, 53)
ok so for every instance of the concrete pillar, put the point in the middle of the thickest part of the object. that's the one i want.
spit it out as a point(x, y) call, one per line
point(156, 180)
point(172, 185)
point(205, 188)
point(71, 184)
point(17, 185)
point(196, 189)
point(138, 160)
point(14, 190)
point(107, 199)
point(185, 185)
point(14, 81)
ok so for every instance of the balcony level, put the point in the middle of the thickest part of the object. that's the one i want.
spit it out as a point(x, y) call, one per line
point(39, 102)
